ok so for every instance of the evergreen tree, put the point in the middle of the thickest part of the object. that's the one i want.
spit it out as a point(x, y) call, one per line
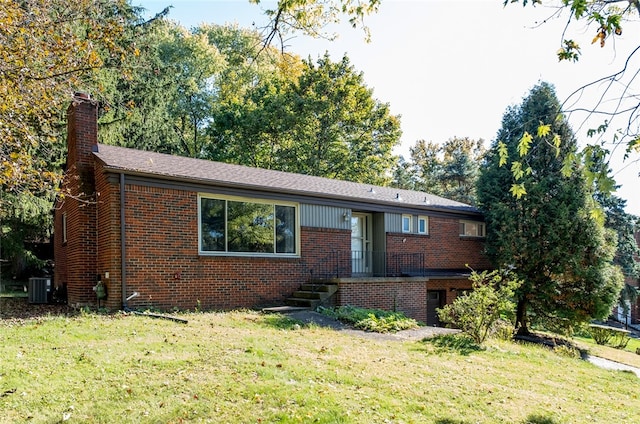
point(449, 169)
point(460, 169)
point(547, 236)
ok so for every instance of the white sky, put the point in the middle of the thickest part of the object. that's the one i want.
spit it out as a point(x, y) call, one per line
point(448, 67)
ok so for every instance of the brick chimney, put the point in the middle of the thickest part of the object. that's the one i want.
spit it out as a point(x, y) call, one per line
point(75, 233)
point(82, 132)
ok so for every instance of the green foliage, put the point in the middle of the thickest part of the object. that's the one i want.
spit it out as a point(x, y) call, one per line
point(502, 329)
point(50, 49)
point(164, 103)
point(322, 121)
point(476, 312)
point(25, 219)
point(618, 220)
point(375, 320)
point(567, 351)
point(548, 236)
point(214, 92)
point(449, 169)
point(614, 337)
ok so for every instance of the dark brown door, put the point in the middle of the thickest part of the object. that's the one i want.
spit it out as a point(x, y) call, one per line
point(435, 300)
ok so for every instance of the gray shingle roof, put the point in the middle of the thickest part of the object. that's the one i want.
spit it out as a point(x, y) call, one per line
point(181, 168)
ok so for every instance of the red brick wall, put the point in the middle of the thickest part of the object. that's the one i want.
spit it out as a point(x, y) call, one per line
point(163, 264)
point(407, 295)
point(75, 259)
point(443, 247)
point(108, 238)
point(318, 247)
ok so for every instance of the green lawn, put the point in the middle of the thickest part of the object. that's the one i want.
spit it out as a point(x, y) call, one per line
point(244, 367)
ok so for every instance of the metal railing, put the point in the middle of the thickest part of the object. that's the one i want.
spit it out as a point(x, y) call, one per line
point(369, 263)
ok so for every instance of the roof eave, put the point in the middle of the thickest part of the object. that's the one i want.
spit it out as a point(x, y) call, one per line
point(309, 194)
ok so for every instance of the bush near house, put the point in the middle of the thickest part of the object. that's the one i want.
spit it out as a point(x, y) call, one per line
point(375, 320)
point(489, 302)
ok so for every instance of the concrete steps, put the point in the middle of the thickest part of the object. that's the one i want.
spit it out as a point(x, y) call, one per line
point(311, 295)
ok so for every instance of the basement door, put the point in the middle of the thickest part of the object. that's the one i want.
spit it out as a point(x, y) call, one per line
point(435, 300)
point(361, 246)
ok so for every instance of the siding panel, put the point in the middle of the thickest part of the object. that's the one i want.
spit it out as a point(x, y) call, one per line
point(321, 216)
point(393, 223)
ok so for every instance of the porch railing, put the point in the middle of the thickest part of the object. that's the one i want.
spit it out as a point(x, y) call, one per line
point(360, 263)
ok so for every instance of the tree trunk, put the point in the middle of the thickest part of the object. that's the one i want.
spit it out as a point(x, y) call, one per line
point(521, 318)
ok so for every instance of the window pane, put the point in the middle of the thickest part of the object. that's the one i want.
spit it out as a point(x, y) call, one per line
point(406, 224)
point(250, 227)
point(212, 224)
point(422, 226)
point(285, 229)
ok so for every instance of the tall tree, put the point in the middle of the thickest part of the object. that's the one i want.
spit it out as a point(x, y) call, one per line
point(449, 169)
point(622, 223)
point(427, 166)
point(324, 122)
point(47, 49)
point(548, 236)
point(460, 168)
point(343, 132)
point(165, 103)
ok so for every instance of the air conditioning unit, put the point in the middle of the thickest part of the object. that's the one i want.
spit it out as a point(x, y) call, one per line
point(39, 289)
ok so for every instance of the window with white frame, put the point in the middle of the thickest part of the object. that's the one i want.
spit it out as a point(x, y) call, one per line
point(406, 223)
point(472, 229)
point(234, 225)
point(423, 224)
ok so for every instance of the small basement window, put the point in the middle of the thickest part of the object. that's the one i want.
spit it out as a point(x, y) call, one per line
point(472, 229)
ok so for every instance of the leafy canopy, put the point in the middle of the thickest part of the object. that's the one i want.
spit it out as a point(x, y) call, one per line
point(47, 49)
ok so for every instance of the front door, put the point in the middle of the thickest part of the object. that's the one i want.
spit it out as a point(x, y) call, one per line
point(361, 243)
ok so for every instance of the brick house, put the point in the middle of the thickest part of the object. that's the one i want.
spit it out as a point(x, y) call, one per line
point(187, 233)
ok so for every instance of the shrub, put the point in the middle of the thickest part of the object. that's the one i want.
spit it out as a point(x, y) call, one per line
point(375, 320)
point(476, 312)
point(568, 351)
point(502, 329)
point(600, 335)
point(604, 335)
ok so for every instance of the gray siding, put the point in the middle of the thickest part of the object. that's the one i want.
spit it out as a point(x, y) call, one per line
point(321, 216)
point(393, 223)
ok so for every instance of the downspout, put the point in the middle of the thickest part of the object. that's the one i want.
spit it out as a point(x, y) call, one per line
point(123, 262)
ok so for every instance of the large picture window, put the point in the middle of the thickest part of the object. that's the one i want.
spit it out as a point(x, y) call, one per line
point(235, 225)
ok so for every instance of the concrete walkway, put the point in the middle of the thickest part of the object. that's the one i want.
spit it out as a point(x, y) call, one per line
point(611, 365)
